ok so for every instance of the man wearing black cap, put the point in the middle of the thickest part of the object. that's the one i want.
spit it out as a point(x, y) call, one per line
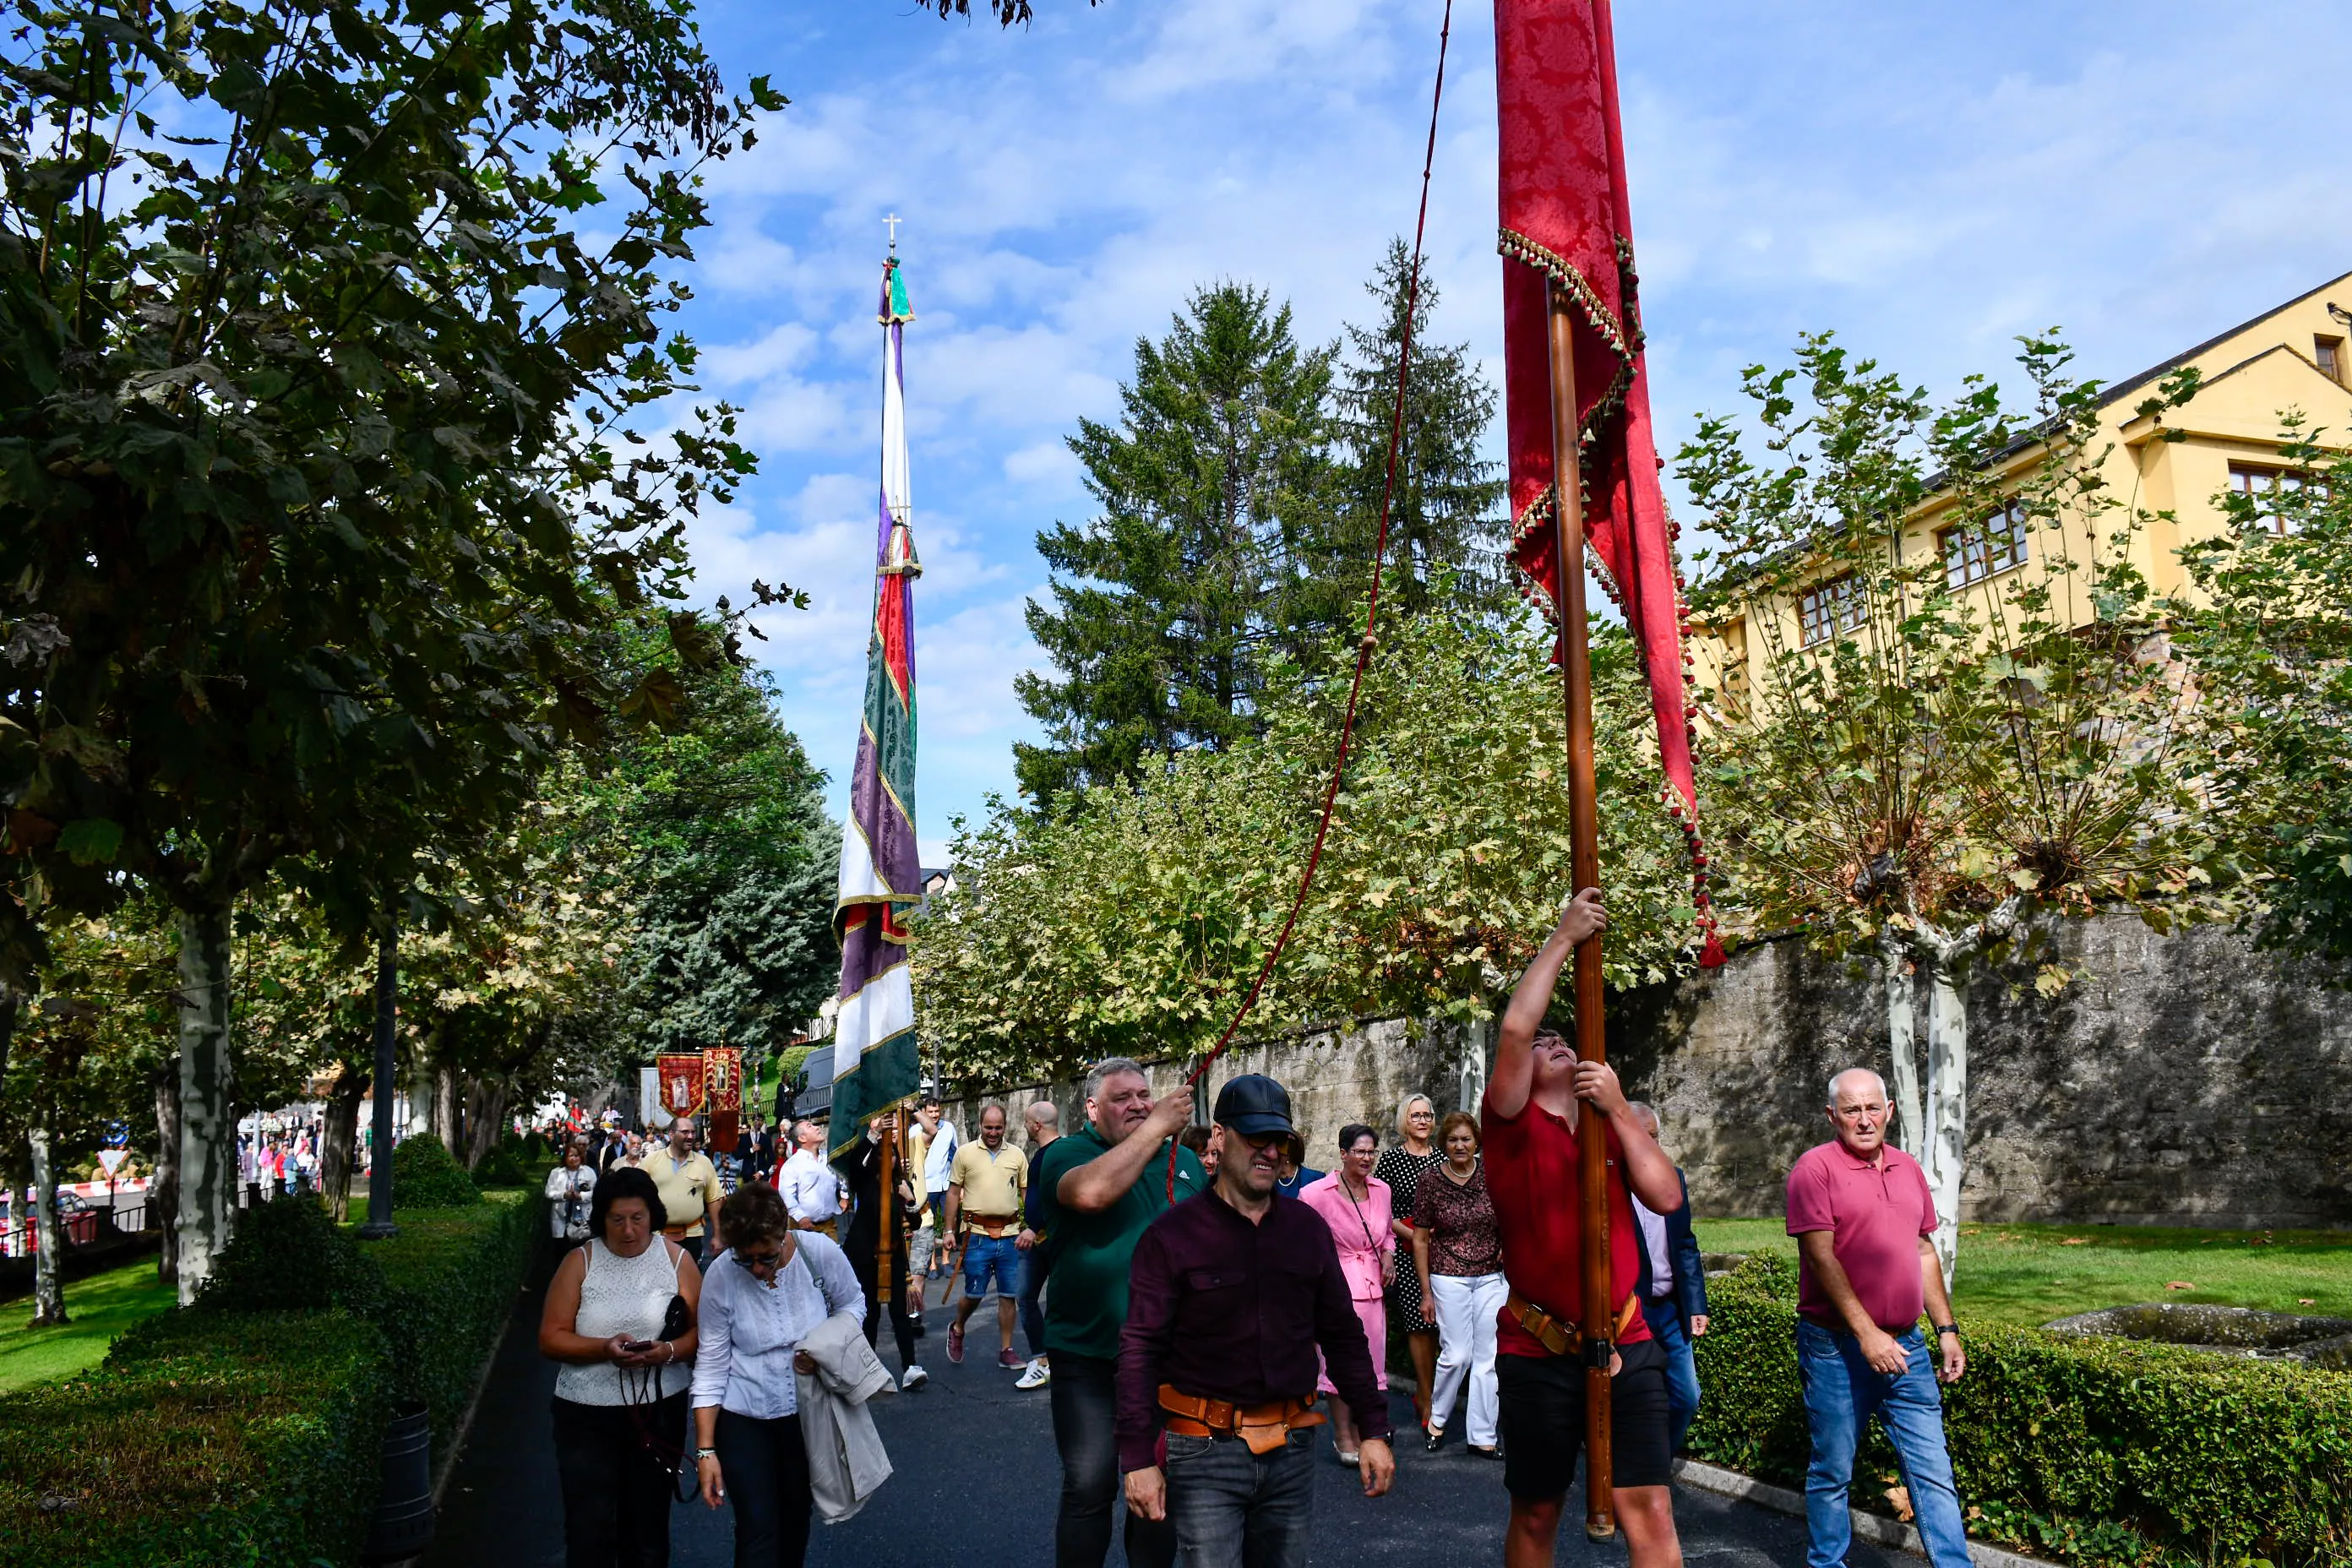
point(1231, 1296)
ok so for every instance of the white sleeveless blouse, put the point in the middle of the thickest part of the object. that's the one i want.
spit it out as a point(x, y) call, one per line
point(622, 1296)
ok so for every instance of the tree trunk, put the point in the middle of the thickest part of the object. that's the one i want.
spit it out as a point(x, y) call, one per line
point(340, 1140)
point(7, 1025)
point(1945, 1158)
point(208, 1198)
point(1902, 1046)
point(48, 1269)
point(163, 1180)
point(486, 1115)
point(445, 1107)
point(420, 1088)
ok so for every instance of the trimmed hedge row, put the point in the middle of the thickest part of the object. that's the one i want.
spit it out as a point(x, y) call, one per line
point(253, 1441)
point(247, 1429)
point(2107, 1453)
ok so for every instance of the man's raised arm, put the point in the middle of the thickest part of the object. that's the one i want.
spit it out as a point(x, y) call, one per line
point(1513, 1078)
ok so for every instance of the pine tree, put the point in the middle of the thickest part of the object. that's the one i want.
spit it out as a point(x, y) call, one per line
point(1212, 556)
point(1446, 522)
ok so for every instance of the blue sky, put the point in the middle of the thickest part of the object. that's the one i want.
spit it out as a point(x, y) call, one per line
point(1930, 180)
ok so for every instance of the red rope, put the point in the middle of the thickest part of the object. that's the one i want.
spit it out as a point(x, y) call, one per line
point(1373, 605)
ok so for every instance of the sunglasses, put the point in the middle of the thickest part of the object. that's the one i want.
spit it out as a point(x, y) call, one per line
point(759, 1260)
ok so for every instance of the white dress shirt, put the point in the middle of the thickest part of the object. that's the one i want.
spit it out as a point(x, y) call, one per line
point(1654, 1241)
point(743, 1360)
point(811, 1190)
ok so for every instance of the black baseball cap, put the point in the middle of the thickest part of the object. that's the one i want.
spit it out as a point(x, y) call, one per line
point(1253, 1104)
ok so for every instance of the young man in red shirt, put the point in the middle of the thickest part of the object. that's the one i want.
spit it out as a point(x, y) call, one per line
point(1531, 1174)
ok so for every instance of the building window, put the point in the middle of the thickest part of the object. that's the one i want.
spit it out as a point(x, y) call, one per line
point(2328, 354)
point(1973, 552)
point(2264, 487)
point(1826, 609)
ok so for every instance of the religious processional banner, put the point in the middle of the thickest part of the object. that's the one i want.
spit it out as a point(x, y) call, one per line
point(1566, 223)
point(876, 1064)
point(722, 1095)
point(680, 1078)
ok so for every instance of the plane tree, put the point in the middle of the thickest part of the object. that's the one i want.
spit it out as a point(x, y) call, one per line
point(327, 327)
point(1924, 753)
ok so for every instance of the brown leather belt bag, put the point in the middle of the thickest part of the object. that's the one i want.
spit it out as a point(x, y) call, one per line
point(1264, 1427)
point(1560, 1336)
point(995, 1226)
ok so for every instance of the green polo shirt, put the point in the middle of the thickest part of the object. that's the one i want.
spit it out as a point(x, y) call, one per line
point(1085, 1306)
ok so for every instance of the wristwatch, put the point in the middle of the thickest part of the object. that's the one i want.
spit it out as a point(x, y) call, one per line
point(1952, 1329)
point(702, 1454)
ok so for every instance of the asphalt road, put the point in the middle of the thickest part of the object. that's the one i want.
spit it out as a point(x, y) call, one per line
point(977, 1480)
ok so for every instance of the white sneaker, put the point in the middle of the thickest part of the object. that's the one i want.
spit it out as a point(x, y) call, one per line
point(913, 1377)
point(1036, 1375)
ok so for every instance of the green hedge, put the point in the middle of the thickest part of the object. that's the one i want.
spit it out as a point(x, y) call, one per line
point(450, 1278)
point(2103, 1452)
point(240, 1432)
point(252, 1441)
point(426, 1176)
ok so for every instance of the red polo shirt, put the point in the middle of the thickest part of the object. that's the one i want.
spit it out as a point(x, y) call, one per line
point(1532, 1178)
point(1875, 1212)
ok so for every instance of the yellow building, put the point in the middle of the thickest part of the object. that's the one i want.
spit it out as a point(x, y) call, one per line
point(2226, 438)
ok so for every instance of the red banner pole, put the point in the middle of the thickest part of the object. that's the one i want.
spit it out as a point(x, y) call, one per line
point(1584, 871)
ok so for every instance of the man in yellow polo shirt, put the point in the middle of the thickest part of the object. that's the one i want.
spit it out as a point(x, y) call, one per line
point(984, 1191)
point(690, 1193)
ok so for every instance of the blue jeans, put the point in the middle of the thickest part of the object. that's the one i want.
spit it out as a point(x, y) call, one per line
point(987, 1254)
point(1032, 1312)
point(1231, 1508)
point(1842, 1392)
point(1682, 1370)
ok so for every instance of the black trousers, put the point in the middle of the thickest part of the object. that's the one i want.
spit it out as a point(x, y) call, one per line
point(861, 1250)
point(765, 1467)
point(1085, 1431)
point(616, 1496)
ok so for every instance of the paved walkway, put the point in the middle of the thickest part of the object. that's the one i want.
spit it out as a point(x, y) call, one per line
point(944, 1509)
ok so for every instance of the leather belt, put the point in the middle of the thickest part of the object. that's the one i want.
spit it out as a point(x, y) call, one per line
point(993, 1226)
point(1264, 1427)
point(1560, 1336)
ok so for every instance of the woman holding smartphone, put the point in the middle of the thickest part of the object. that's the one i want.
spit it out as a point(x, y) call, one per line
point(768, 1291)
point(620, 1395)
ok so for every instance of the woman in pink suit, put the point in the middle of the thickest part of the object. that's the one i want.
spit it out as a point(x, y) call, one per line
point(1356, 1204)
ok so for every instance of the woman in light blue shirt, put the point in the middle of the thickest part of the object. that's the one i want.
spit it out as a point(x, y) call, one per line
point(761, 1298)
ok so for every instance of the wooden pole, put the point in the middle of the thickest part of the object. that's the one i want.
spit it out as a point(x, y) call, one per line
point(886, 1251)
point(1584, 868)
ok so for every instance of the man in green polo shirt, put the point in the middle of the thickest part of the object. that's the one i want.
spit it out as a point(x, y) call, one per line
point(1091, 1194)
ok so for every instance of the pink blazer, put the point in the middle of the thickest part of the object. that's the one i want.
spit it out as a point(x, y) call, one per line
point(1362, 1230)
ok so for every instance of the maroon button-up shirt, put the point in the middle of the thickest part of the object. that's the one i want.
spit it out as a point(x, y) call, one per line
point(1226, 1309)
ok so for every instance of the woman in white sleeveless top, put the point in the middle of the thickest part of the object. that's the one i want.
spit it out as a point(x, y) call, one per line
point(621, 1393)
point(769, 1290)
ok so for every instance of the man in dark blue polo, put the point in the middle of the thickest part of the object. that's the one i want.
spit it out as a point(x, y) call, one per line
point(1231, 1296)
point(1674, 1293)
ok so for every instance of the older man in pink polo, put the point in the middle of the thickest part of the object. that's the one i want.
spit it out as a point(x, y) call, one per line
point(1862, 1215)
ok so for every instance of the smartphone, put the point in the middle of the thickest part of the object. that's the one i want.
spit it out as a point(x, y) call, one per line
point(637, 1347)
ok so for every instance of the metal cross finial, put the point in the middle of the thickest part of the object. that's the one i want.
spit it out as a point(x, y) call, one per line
point(894, 220)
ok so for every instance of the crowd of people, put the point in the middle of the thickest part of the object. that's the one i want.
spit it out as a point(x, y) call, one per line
point(1199, 1301)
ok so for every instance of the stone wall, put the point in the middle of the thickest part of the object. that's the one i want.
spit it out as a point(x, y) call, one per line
point(2183, 1079)
point(2178, 1081)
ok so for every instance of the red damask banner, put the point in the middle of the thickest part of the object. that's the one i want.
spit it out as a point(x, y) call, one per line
point(1566, 225)
point(722, 1083)
point(680, 1078)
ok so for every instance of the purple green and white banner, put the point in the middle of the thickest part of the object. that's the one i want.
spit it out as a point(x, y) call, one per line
point(876, 1063)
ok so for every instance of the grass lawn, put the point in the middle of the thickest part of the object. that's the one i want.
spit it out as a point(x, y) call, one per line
point(2027, 1274)
point(100, 1307)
